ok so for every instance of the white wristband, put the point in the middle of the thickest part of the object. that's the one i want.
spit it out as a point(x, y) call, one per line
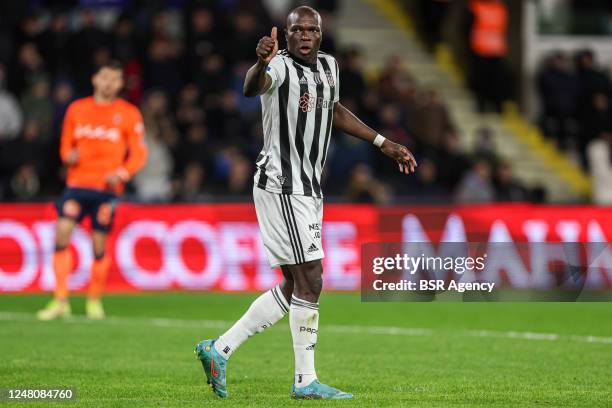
point(379, 140)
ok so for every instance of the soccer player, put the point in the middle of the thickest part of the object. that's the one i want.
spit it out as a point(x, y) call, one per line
point(299, 90)
point(102, 145)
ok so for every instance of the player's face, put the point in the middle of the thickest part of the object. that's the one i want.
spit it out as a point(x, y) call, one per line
point(303, 34)
point(108, 82)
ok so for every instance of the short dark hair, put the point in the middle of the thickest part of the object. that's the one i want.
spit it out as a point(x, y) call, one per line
point(112, 64)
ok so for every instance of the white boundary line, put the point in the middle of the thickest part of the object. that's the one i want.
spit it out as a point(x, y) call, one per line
point(387, 330)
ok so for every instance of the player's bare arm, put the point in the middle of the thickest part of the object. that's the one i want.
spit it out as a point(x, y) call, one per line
point(346, 121)
point(256, 81)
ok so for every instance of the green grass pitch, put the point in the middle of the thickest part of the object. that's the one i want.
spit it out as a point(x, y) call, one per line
point(464, 354)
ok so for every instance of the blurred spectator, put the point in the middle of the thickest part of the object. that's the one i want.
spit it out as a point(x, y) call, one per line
point(56, 45)
point(592, 79)
point(239, 180)
point(26, 156)
point(63, 94)
point(157, 117)
point(433, 13)
point(25, 184)
point(507, 188)
point(559, 89)
point(201, 36)
point(28, 69)
point(477, 185)
point(192, 183)
point(153, 181)
point(425, 186)
point(396, 84)
point(452, 162)
point(428, 119)
point(86, 42)
point(351, 73)
point(596, 119)
point(127, 48)
point(189, 111)
point(11, 118)
point(36, 104)
point(599, 153)
point(484, 144)
point(487, 23)
point(362, 187)
point(163, 67)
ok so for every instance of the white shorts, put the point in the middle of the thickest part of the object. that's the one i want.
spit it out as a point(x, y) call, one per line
point(290, 226)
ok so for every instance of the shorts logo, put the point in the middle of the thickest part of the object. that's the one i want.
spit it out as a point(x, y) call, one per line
point(71, 208)
point(311, 347)
point(307, 102)
point(312, 248)
point(314, 227)
point(104, 214)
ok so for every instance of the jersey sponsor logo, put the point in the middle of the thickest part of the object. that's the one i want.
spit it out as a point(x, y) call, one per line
point(307, 102)
point(97, 132)
point(312, 248)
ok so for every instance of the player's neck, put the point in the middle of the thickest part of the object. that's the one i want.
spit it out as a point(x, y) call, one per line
point(312, 61)
point(101, 100)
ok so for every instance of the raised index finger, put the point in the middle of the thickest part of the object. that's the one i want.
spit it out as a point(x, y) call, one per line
point(273, 33)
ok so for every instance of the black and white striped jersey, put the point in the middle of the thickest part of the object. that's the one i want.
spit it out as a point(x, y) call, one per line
point(297, 120)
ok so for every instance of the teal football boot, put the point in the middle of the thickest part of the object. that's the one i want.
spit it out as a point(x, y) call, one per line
point(215, 366)
point(316, 390)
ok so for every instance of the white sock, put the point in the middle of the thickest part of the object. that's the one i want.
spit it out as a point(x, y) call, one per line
point(304, 323)
point(266, 310)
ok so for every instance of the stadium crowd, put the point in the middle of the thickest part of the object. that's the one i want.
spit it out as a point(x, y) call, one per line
point(184, 67)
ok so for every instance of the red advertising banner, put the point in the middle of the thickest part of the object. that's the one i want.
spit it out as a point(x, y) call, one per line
point(218, 246)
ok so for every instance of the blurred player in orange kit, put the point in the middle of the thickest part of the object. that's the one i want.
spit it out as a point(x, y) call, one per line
point(103, 146)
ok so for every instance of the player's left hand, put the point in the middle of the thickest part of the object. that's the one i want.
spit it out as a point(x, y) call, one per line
point(404, 158)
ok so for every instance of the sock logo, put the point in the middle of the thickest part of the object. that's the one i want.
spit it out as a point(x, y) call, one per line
point(308, 330)
point(312, 248)
point(226, 349)
point(311, 347)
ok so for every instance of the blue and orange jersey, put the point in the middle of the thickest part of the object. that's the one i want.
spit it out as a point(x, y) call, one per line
point(109, 139)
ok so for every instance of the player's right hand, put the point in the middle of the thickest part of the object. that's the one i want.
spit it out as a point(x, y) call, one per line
point(73, 157)
point(267, 47)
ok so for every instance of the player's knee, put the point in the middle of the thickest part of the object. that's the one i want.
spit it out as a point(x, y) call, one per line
point(308, 281)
